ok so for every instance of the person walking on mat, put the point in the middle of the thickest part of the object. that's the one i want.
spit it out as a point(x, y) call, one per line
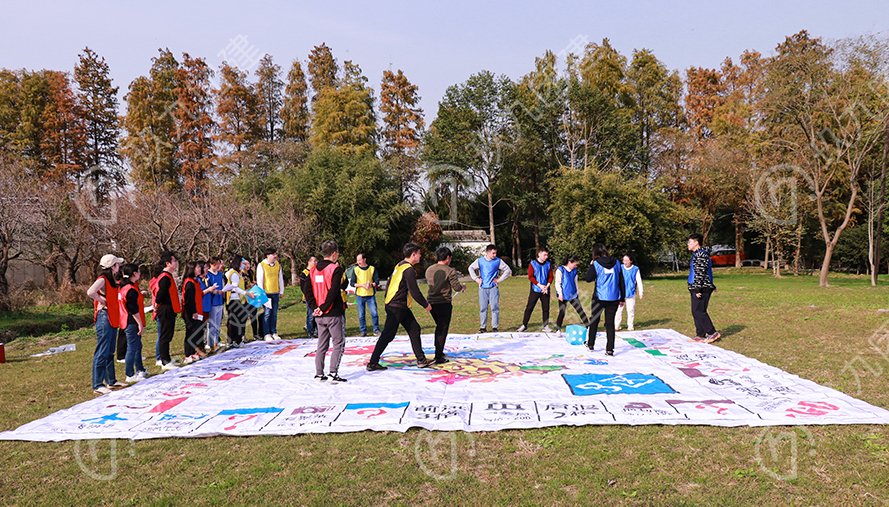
point(442, 279)
point(566, 291)
point(540, 274)
point(488, 272)
point(401, 291)
point(607, 296)
point(700, 286)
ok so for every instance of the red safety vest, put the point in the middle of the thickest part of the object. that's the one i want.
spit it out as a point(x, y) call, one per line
point(123, 303)
point(321, 283)
point(198, 296)
point(174, 294)
point(113, 309)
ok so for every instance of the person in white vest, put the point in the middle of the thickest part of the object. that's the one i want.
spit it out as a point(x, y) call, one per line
point(270, 278)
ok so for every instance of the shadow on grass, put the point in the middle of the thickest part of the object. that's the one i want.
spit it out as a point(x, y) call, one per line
point(653, 324)
point(732, 330)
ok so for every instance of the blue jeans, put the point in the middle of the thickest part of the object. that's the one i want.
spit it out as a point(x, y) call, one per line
point(103, 357)
point(270, 316)
point(215, 324)
point(133, 360)
point(485, 297)
point(310, 320)
point(371, 303)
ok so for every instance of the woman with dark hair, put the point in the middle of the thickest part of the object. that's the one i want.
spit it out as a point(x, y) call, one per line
point(107, 317)
point(608, 295)
point(565, 281)
point(633, 286)
point(132, 316)
point(193, 311)
point(206, 292)
point(238, 313)
point(167, 304)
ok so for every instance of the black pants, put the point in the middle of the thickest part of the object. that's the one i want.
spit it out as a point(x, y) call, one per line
point(610, 310)
point(532, 302)
point(122, 341)
point(399, 317)
point(703, 324)
point(194, 334)
point(238, 317)
point(578, 307)
point(441, 314)
point(254, 319)
point(166, 320)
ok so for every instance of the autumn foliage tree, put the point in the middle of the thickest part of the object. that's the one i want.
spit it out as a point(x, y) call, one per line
point(402, 129)
point(194, 123)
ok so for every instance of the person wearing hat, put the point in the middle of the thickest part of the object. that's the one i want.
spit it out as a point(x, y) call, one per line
point(107, 318)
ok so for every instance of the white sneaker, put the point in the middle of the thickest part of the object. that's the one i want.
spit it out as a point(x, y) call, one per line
point(191, 359)
point(630, 328)
point(276, 337)
point(132, 380)
point(142, 375)
point(268, 338)
point(172, 365)
point(521, 329)
point(546, 329)
point(102, 390)
point(121, 361)
point(159, 362)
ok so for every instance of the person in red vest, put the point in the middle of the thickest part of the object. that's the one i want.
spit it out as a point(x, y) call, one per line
point(167, 306)
point(107, 318)
point(193, 311)
point(132, 319)
point(324, 295)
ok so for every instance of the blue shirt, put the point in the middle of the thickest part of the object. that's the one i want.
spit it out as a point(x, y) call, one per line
point(205, 301)
point(219, 280)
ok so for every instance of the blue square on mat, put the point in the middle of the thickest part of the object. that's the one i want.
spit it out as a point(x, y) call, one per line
point(587, 384)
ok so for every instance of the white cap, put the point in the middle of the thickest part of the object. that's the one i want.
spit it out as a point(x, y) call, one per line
point(109, 260)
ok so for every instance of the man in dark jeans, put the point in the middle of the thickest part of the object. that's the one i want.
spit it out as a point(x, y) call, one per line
point(700, 286)
point(168, 306)
point(442, 279)
point(401, 291)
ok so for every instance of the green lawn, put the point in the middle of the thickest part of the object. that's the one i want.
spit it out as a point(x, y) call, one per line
point(791, 323)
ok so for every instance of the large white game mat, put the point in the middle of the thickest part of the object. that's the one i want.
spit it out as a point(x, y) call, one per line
point(492, 382)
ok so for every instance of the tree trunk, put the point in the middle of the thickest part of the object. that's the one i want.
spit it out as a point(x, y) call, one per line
point(294, 269)
point(491, 216)
point(768, 245)
point(822, 280)
point(879, 232)
point(798, 254)
point(739, 241)
point(536, 231)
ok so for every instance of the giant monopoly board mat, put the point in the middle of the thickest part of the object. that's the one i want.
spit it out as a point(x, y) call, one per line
point(492, 382)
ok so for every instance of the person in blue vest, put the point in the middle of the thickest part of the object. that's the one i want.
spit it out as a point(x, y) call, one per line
point(633, 281)
point(540, 274)
point(488, 272)
point(565, 282)
point(700, 285)
point(608, 295)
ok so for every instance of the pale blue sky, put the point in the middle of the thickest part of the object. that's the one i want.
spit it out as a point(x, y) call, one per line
point(436, 44)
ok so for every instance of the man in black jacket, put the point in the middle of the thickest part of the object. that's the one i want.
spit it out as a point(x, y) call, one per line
point(700, 285)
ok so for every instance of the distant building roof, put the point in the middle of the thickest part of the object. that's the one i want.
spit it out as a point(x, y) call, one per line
point(465, 235)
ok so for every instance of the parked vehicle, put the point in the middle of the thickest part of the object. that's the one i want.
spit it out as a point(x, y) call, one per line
point(724, 255)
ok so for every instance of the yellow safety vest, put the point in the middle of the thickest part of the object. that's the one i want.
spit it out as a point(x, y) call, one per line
point(270, 277)
point(395, 281)
point(364, 276)
point(228, 278)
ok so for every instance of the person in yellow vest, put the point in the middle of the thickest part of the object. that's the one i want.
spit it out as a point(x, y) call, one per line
point(238, 314)
point(270, 278)
point(366, 281)
point(310, 319)
point(401, 291)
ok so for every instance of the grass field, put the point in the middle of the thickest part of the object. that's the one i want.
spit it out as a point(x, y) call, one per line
point(822, 334)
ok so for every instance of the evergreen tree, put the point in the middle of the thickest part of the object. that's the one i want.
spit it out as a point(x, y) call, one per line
point(65, 142)
point(322, 69)
point(98, 99)
point(295, 110)
point(344, 116)
point(402, 129)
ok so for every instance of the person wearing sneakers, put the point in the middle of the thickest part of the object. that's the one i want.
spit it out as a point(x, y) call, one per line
point(566, 290)
point(193, 312)
point(700, 286)
point(324, 296)
point(488, 271)
point(401, 292)
point(217, 300)
point(238, 314)
point(132, 316)
point(633, 281)
point(442, 279)
point(540, 274)
point(609, 294)
point(247, 279)
point(366, 281)
point(106, 314)
point(304, 276)
point(270, 278)
point(167, 306)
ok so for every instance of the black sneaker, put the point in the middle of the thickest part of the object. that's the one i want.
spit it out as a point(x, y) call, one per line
point(440, 360)
point(336, 379)
point(493, 329)
point(609, 352)
point(363, 335)
point(375, 367)
point(481, 330)
point(320, 378)
point(425, 363)
point(590, 344)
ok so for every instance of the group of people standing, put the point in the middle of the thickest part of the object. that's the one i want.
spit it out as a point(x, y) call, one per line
point(207, 289)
